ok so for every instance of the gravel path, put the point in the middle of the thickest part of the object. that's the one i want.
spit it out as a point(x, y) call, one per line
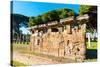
point(31, 59)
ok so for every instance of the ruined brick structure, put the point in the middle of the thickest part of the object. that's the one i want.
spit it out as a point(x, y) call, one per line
point(65, 38)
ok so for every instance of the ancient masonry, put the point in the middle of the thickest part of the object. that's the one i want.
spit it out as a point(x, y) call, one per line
point(65, 38)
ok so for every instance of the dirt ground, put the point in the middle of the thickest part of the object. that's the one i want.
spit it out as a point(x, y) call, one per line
point(31, 59)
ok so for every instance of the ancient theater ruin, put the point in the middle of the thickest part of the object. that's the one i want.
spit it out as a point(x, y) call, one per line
point(65, 38)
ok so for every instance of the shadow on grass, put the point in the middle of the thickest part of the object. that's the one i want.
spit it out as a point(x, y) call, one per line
point(91, 54)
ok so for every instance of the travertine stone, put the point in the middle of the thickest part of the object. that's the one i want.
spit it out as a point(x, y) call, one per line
point(60, 44)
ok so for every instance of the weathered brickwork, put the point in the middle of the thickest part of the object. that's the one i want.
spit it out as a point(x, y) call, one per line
point(63, 43)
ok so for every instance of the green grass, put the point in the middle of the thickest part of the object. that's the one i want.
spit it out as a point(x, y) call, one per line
point(17, 63)
point(92, 51)
point(25, 43)
point(91, 60)
point(93, 45)
point(20, 47)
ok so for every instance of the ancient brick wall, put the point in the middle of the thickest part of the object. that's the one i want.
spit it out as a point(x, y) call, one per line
point(60, 44)
point(68, 43)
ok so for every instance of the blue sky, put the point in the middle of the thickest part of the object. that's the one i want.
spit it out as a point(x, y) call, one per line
point(37, 8)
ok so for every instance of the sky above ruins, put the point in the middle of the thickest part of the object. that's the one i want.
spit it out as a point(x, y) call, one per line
point(29, 8)
point(37, 8)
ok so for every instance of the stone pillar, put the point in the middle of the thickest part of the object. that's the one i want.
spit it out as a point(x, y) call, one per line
point(41, 40)
point(60, 29)
point(82, 44)
point(83, 28)
point(68, 28)
point(76, 28)
point(49, 30)
point(32, 41)
point(36, 37)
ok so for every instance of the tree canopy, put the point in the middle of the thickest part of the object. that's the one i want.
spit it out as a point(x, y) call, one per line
point(51, 16)
point(17, 21)
point(92, 12)
point(84, 9)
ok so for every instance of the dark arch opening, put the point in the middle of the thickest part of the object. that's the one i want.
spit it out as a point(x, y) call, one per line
point(54, 30)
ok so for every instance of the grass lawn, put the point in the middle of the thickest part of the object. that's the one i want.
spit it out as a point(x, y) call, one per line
point(91, 52)
point(17, 63)
point(91, 60)
point(93, 45)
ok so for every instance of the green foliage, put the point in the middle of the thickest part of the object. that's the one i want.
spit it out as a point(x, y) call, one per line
point(90, 30)
point(45, 17)
point(17, 21)
point(17, 63)
point(63, 13)
point(93, 45)
point(84, 9)
point(51, 16)
point(31, 21)
point(91, 60)
point(92, 12)
point(39, 20)
point(70, 13)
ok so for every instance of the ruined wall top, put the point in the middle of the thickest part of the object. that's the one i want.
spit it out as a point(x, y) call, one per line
point(62, 21)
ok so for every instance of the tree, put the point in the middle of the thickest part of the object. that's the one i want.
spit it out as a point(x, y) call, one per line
point(92, 22)
point(45, 17)
point(92, 12)
point(31, 22)
point(35, 21)
point(64, 13)
point(84, 9)
point(39, 20)
point(54, 15)
point(17, 21)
